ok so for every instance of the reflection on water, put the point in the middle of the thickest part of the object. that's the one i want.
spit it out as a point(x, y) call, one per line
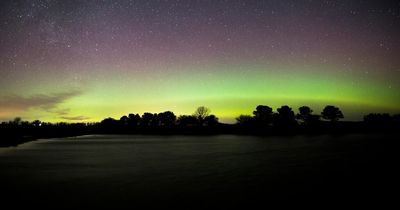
point(106, 169)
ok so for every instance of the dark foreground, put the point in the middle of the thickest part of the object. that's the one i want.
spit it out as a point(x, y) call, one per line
point(208, 171)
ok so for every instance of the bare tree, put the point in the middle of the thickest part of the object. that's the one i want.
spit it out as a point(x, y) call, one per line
point(201, 113)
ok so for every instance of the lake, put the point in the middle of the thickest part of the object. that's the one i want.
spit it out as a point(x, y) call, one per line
point(116, 170)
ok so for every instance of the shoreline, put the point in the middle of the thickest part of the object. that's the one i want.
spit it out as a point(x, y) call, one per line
point(14, 141)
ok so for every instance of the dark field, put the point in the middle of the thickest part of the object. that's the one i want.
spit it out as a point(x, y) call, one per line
point(190, 171)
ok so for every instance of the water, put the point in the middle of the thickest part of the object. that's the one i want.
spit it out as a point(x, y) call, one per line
point(121, 170)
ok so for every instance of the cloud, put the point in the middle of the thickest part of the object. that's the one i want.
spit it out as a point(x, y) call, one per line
point(77, 118)
point(60, 112)
point(14, 104)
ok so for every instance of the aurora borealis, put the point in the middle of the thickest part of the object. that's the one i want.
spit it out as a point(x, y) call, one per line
point(86, 60)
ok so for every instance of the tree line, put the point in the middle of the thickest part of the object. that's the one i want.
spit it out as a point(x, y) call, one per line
point(263, 115)
point(263, 121)
point(285, 116)
point(201, 117)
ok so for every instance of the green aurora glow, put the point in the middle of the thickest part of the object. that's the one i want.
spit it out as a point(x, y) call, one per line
point(228, 91)
point(83, 61)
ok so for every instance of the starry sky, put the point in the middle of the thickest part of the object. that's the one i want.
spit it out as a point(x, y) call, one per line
point(84, 60)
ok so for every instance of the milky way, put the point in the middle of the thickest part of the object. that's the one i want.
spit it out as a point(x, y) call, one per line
point(87, 60)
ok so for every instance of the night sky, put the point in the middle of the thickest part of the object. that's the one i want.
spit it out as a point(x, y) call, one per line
point(83, 60)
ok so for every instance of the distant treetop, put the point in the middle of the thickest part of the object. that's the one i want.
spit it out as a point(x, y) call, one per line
point(332, 113)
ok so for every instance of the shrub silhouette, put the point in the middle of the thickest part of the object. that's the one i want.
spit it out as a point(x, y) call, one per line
point(378, 119)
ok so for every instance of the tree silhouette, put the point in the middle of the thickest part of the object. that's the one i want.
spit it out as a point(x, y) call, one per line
point(36, 123)
point(396, 119)
point(306, 116)
point(146, 119)
point(285, 116)
point(167, 118)
point(245, 120)
point(155, 121)
point(187, 120)
point(109, 123)
point(17, 131)
point(263, 115)
point(304, 113)
point(211, 120)
point(133, 120)
point(201, 113)
point(332, 113)
point(17, 121)
point(124, 120)
point(378, 119)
